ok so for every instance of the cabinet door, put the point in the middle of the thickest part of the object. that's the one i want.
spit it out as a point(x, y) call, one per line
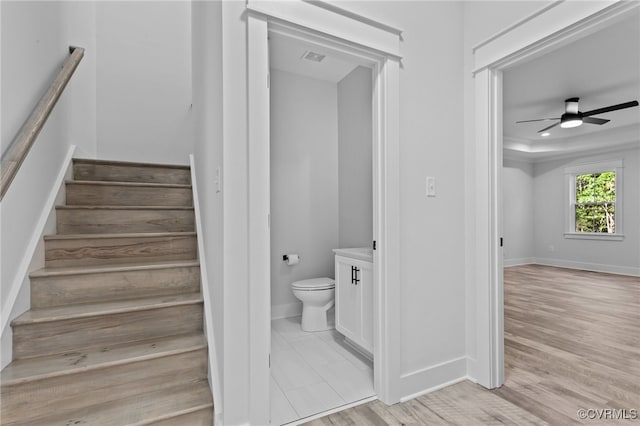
point(366, 297)
point(348, 306)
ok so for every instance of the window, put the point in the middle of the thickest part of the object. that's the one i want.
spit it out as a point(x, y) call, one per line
point(594, 201)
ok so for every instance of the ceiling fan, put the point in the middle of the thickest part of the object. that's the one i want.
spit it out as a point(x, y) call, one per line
point(574, 118)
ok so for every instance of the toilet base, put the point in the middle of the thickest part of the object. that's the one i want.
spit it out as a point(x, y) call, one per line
point(314, 318)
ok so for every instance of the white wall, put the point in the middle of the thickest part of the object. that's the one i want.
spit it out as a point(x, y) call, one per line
point(482, 19)
point(35, 40)
point(518, 212)
point(144, 81)
point(431, 238)
point(354, 159)
point(207, 109)
point(304, 183)
point(549, 196)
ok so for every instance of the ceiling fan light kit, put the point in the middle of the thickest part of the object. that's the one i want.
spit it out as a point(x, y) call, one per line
point(568, 121)
point(574, 118)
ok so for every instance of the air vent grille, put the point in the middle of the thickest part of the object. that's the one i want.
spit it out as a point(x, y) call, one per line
point(313, 56)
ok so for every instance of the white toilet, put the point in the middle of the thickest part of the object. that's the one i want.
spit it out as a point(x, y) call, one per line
point(317, 296)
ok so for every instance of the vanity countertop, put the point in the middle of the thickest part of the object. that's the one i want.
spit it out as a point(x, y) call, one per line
point(360, 253)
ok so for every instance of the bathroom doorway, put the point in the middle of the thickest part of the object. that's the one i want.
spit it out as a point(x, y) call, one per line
point(321, 198)
point(372, 44)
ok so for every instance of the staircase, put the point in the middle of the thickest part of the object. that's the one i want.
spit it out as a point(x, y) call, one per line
point(115, 331)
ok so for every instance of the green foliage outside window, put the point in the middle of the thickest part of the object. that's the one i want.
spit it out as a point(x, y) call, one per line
point(595, 202)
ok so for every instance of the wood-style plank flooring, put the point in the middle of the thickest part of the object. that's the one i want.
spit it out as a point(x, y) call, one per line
point(572, 341)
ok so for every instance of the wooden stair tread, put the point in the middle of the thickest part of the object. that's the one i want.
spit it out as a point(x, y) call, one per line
point(90, 269)
point(58, 313)
point(127, 184)
point(84, 207)
point(29, 369)
point(129, 163)
point(123, 235)
point(144, 409)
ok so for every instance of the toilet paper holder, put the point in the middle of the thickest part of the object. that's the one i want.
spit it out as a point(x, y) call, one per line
point(291, 259)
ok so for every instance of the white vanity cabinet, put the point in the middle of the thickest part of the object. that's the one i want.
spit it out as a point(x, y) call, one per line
point(354, 298)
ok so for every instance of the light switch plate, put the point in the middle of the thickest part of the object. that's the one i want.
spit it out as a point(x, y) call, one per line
point(218, 181)
point(431, 186)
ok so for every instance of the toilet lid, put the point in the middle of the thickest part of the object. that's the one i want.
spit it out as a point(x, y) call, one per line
point(314, 284)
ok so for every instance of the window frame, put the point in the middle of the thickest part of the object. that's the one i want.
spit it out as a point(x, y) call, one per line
point(616, 166)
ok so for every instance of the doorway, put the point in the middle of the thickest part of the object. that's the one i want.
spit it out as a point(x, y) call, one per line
point(378, 45)
point(321, 186)
point(555, 26)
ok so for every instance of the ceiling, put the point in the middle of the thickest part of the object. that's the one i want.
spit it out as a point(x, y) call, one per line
point(601, 69)
point(286, 54)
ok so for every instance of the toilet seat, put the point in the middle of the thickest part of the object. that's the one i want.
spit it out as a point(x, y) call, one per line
point(314, 284)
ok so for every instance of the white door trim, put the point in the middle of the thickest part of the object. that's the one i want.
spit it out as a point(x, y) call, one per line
point(259, 234)
point(386, 186)
point(550, 28)
point(325, 18)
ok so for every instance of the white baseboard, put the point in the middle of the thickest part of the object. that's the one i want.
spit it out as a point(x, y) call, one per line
point(214, 380)
point(32, 258)
point(432, 378)
point(572, 264)
point(519, 261)
point(36, 237)
point(472, 368)
point(286, 310)
point(585, 266)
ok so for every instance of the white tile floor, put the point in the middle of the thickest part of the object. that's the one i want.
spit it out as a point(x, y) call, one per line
point(313, 372)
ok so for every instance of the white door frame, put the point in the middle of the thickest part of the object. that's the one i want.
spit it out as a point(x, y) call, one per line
point(553, 26)
point(371, 43)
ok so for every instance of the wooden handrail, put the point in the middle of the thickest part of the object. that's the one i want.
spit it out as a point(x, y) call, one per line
point(13, 157)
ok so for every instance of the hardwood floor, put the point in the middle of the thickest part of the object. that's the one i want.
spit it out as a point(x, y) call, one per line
point(572, 342)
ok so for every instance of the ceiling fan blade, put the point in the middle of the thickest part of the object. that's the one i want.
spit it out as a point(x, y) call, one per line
point(610, 108)
point(539, 119)
point(594, 120)
point(548, 128)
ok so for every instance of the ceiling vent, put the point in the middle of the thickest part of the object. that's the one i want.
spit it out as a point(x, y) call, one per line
point(313, 56)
